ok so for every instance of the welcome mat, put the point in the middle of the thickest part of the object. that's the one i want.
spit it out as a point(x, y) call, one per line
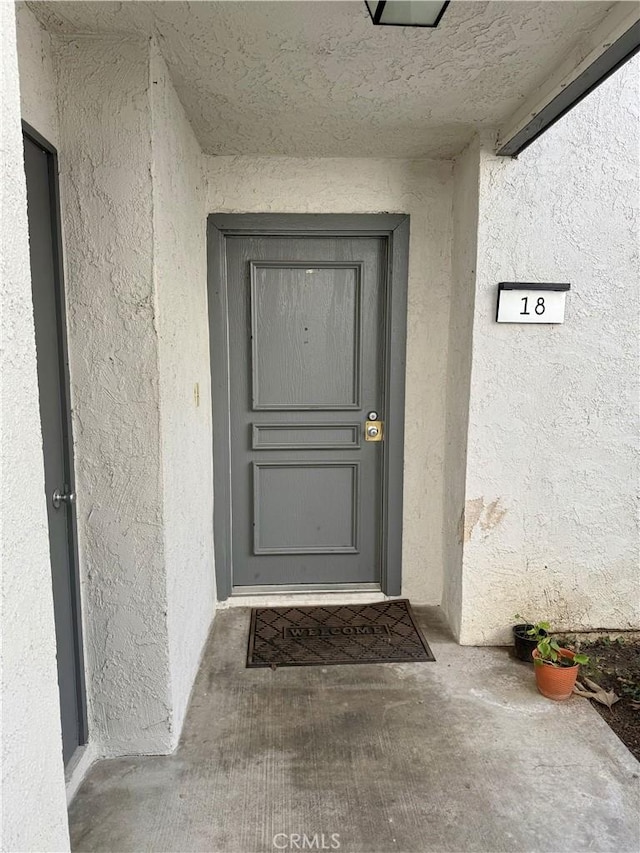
point(384, 632)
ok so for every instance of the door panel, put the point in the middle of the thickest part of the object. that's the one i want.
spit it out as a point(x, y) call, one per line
point(306, 354)
point(305, 507)
point(48, 320)
point(306, 436)
point(305, 331)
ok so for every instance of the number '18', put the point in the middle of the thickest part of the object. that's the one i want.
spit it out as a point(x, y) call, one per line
point(538, 308)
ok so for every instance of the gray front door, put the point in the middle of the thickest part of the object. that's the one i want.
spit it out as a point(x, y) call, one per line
point(306, 355)
point(48, 311)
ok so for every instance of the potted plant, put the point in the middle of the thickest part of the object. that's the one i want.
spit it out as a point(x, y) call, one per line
point(556, 668)
point(526, 636)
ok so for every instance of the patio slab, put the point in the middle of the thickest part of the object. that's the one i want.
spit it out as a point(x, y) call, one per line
point(458, 755)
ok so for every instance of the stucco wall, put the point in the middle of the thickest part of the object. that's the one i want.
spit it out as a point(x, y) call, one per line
point(106, 187)
point(423, 190)
point(33, 794)
point(135, 252)
point(180, 275)
point(466, 186)
point(553, 462)
point(38, 83)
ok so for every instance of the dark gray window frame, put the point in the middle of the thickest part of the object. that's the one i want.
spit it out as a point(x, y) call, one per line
point(394, 228)
point(619, 52)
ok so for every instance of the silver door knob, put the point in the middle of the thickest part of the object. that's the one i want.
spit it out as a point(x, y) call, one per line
point(372, 431)
point(59, 497)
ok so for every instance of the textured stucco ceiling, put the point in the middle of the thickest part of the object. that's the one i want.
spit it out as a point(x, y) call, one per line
point(318, 79)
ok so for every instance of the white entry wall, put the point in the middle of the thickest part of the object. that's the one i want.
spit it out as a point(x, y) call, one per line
point(180, 275)
point(550, 524)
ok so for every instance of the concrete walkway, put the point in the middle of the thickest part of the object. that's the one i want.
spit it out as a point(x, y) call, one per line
point(458, 755)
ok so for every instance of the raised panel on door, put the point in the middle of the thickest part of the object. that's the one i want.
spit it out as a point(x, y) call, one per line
point(306, 363)
point(305, 507)
point(296, 436)
point(305, 332)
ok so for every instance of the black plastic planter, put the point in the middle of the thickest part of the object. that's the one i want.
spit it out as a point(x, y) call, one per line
point(524, 644)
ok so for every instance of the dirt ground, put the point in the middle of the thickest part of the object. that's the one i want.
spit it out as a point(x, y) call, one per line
point(615, 665)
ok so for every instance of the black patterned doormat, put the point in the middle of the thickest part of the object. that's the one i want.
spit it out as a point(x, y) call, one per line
point(384, 632)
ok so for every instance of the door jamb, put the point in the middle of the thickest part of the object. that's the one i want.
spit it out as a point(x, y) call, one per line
point(65, 388)
point(395, 228)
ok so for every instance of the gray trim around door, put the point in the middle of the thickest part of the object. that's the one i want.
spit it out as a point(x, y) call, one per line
point(395, 229)
point(65, 385)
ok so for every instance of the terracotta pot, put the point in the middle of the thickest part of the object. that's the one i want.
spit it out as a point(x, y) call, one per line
point(555, 682)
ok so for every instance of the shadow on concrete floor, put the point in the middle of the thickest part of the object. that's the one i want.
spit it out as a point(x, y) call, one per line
point(458, 755)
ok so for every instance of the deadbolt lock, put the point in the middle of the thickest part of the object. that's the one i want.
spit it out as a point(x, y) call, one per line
point(373, 431)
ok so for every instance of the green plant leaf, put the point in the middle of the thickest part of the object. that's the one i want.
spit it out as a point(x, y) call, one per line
point(546, 650)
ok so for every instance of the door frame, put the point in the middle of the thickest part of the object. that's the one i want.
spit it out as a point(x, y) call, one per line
point(65, 388)
point(394, 228)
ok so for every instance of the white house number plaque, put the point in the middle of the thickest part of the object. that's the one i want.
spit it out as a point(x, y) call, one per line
point(531, 303)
